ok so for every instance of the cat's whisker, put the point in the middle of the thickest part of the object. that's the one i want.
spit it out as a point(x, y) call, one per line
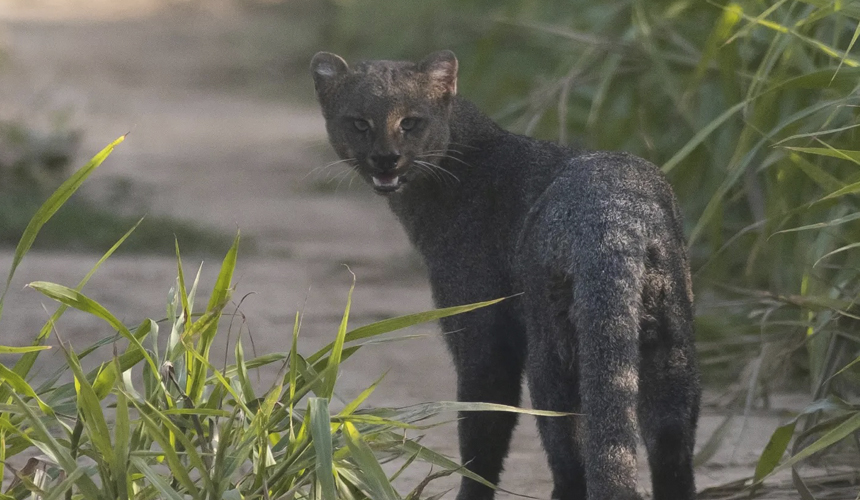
point(352, 178)
point(442, 151)
point(342, 178)
point(430, 155)
point(435, 167)
point(438, 167)
point(463, 145)
point(430, 172)
point(322, 168)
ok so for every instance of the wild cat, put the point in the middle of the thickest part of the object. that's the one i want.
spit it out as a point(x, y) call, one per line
point(592, 240)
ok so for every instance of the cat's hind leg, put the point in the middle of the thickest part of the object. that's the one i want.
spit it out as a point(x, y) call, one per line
point(669, 387)
point(554, 385)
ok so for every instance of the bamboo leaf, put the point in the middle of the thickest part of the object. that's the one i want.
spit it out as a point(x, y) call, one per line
point(821, 225)
point(22, 350)
point(842, 154)
point(176, 465)
point(838, 250)
point(220, 296)
point(774, 450)
point(157, 481)
point(50, 207)
point(320, 425)
point(700, 137)
point(372, 473)
point(337, 349)
point(81, 302)
point(22, 387)
point(355, 403)
point(842, 431)
point(89, 409)
point(43, 438)
point(400, 322)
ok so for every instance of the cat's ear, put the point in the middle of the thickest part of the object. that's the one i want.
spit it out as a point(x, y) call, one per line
point(326, 69)
point(441, 67)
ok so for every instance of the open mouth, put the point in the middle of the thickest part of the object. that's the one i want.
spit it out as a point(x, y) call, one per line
point(387, 183)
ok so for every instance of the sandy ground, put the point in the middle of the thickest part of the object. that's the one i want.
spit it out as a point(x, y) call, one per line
point(232, 157)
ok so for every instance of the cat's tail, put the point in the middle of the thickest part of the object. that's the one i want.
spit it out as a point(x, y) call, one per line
point(607, 281)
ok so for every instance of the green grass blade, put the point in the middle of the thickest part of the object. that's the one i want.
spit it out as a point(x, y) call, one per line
point(220, 296)
point(156, 480)
point(294, 354)
point(422, 411)
point(816, 173)
point(54, 449)
point(774, 450)
point(838, 250)
point(22, 350)
point(89, 408)
point(122, 436)
point(431, 457)
point(374, 476)
point(177, 468)
point(50, 207)
point(81, 302)
point(59, 490)
point(183, 292)
point(700, 137)
point(400, 322)
point(832, 152)
point(90, 411)
point(848, 50)
point(108, 373)
point(22, 387)
point(355, 403)
point(337, 349)
point(821, 225)
point(320, 426)
point(25, 364)
point(205, 365)
point(842, 431)
point(153, 415)
point(242, 373)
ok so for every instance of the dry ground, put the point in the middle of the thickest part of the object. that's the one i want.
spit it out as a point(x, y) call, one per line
point(210, 144)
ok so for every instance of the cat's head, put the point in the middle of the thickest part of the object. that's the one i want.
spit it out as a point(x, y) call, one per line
point(389, 119)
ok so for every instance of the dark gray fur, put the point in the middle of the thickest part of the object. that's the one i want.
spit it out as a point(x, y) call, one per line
point(593, 240)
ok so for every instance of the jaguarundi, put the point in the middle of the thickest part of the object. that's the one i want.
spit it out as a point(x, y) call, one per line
point(593, 241)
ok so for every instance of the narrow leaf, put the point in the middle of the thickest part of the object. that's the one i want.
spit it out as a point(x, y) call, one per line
point(50, 207)
point(320, 424)
point(377, 481)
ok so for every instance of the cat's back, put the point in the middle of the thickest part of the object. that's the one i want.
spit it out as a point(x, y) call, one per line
point(598, 199)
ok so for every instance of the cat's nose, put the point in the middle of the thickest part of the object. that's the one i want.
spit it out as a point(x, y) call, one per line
point(385, 162)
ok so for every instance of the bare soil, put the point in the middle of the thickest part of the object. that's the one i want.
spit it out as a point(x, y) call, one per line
point(210, 143)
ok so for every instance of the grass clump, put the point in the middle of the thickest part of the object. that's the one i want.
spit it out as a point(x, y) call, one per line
point(158, 420)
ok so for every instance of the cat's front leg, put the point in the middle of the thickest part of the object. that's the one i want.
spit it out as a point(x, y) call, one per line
point(489, 358)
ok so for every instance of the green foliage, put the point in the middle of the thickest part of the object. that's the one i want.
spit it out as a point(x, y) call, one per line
point(158, 420)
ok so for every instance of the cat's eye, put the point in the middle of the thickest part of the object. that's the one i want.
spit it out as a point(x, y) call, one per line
point(361, 125)
point(408, 124)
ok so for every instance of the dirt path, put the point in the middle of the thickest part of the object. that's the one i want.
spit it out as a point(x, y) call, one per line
point(205, 148)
